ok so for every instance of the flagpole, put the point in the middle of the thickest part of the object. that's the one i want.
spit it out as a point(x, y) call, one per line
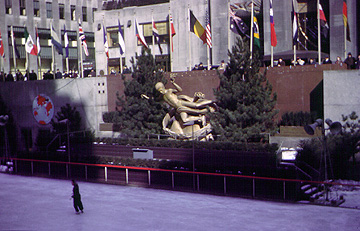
point(252, 29)
point(171, 43)
point(229, 32)
point(319, 35)
point(81, 60)
point(189, 38)
point(208, 49)
point(152, 32)
point(52, 53)
point(345, 36)
point(105, 34)
point(13, 46)
point(120, 59)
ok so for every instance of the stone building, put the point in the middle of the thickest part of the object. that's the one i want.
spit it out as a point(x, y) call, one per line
point(17, 14)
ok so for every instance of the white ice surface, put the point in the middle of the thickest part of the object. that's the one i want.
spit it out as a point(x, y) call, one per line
point(32, 203)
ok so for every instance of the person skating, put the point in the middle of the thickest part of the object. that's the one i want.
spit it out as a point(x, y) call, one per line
point(77, 198)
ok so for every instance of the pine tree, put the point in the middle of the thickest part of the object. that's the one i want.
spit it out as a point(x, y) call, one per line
point(245, 99)
point(140, 112)
point(70, 113)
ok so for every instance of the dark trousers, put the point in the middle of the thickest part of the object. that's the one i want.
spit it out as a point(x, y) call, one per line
point(78, 204)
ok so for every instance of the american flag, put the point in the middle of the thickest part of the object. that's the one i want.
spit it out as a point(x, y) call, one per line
point(82, 39)
point(208, 31)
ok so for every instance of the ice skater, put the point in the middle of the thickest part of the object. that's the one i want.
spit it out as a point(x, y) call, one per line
point(77, 198)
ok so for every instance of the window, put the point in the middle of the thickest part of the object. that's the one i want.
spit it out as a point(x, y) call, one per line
point(36, 8)
point(84, 15)
point(163, 30)
point(113, 36)
point(22, 7)
point(8, 6)
point(61, 11)
point(73, 12)
point(49, 10)
point(93, 13)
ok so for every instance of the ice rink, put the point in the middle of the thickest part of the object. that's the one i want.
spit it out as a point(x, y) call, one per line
point(32, 203)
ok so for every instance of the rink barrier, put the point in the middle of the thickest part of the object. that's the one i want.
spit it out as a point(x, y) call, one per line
point(195, 175)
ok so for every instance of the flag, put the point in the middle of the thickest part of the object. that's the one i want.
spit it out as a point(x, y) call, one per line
point(37, 41)
point(140, 35)
point(323, 22)
point(295, 26)
point(56, 41)
point(66, 43)
point(197, 28)
point(30, 46)
point(17, 53)
point(121, 40)
point(106, 44)
point(256, 33)
point(156, 35)
point(237, 25)
point(82, 39)
point(346, 22)
point(272, 27)
point(1, 46)
point(208, 30)
point(172, 31)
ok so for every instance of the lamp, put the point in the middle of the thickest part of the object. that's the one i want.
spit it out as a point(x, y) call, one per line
point(310, 129)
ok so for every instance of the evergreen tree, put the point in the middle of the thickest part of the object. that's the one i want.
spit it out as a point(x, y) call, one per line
point(140, 112)
point(245, 99)
point(70, 113)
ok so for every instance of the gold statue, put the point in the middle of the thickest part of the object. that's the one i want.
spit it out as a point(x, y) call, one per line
point(188, 113)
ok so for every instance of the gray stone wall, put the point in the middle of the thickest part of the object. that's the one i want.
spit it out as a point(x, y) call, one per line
point(341, 93)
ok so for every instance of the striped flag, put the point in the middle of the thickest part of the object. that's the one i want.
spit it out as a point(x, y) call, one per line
point(256, 33)
point(323, 22)
point(156, 35)
point(66, 43)
point(140, 35)
point(272, 27)
point(121, 40)
point(106, 44)
point(37, 41)
point(55, 40)
point(208, 30)
point(82, 39)
point(172, 32)
point(30, 46)
point(1, 46)
point(17, 53)
point(295, 26)
point(197, 28)
point(346, 22)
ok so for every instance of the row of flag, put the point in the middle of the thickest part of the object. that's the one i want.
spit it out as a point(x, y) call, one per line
point(237, 25)
point(139, 36)
point(34, 48)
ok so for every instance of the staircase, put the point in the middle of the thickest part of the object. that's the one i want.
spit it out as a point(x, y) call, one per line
point(312, 192)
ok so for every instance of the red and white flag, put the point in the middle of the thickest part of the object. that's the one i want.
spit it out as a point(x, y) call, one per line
point(140, 35)
point(1, 46)
point(172, 32)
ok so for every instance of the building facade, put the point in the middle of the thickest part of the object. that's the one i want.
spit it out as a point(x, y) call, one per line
point(41, 14)
point(190, 50)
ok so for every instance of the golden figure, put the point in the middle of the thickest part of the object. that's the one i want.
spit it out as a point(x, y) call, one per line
point(188, 113)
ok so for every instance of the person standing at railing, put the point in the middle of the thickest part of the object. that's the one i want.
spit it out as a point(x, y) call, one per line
point(77, 198)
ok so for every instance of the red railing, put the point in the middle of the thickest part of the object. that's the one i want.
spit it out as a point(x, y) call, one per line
point(284, 188)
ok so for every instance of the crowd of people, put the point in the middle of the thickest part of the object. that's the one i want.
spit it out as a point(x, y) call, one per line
point(9, 77)
point(350, 61)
